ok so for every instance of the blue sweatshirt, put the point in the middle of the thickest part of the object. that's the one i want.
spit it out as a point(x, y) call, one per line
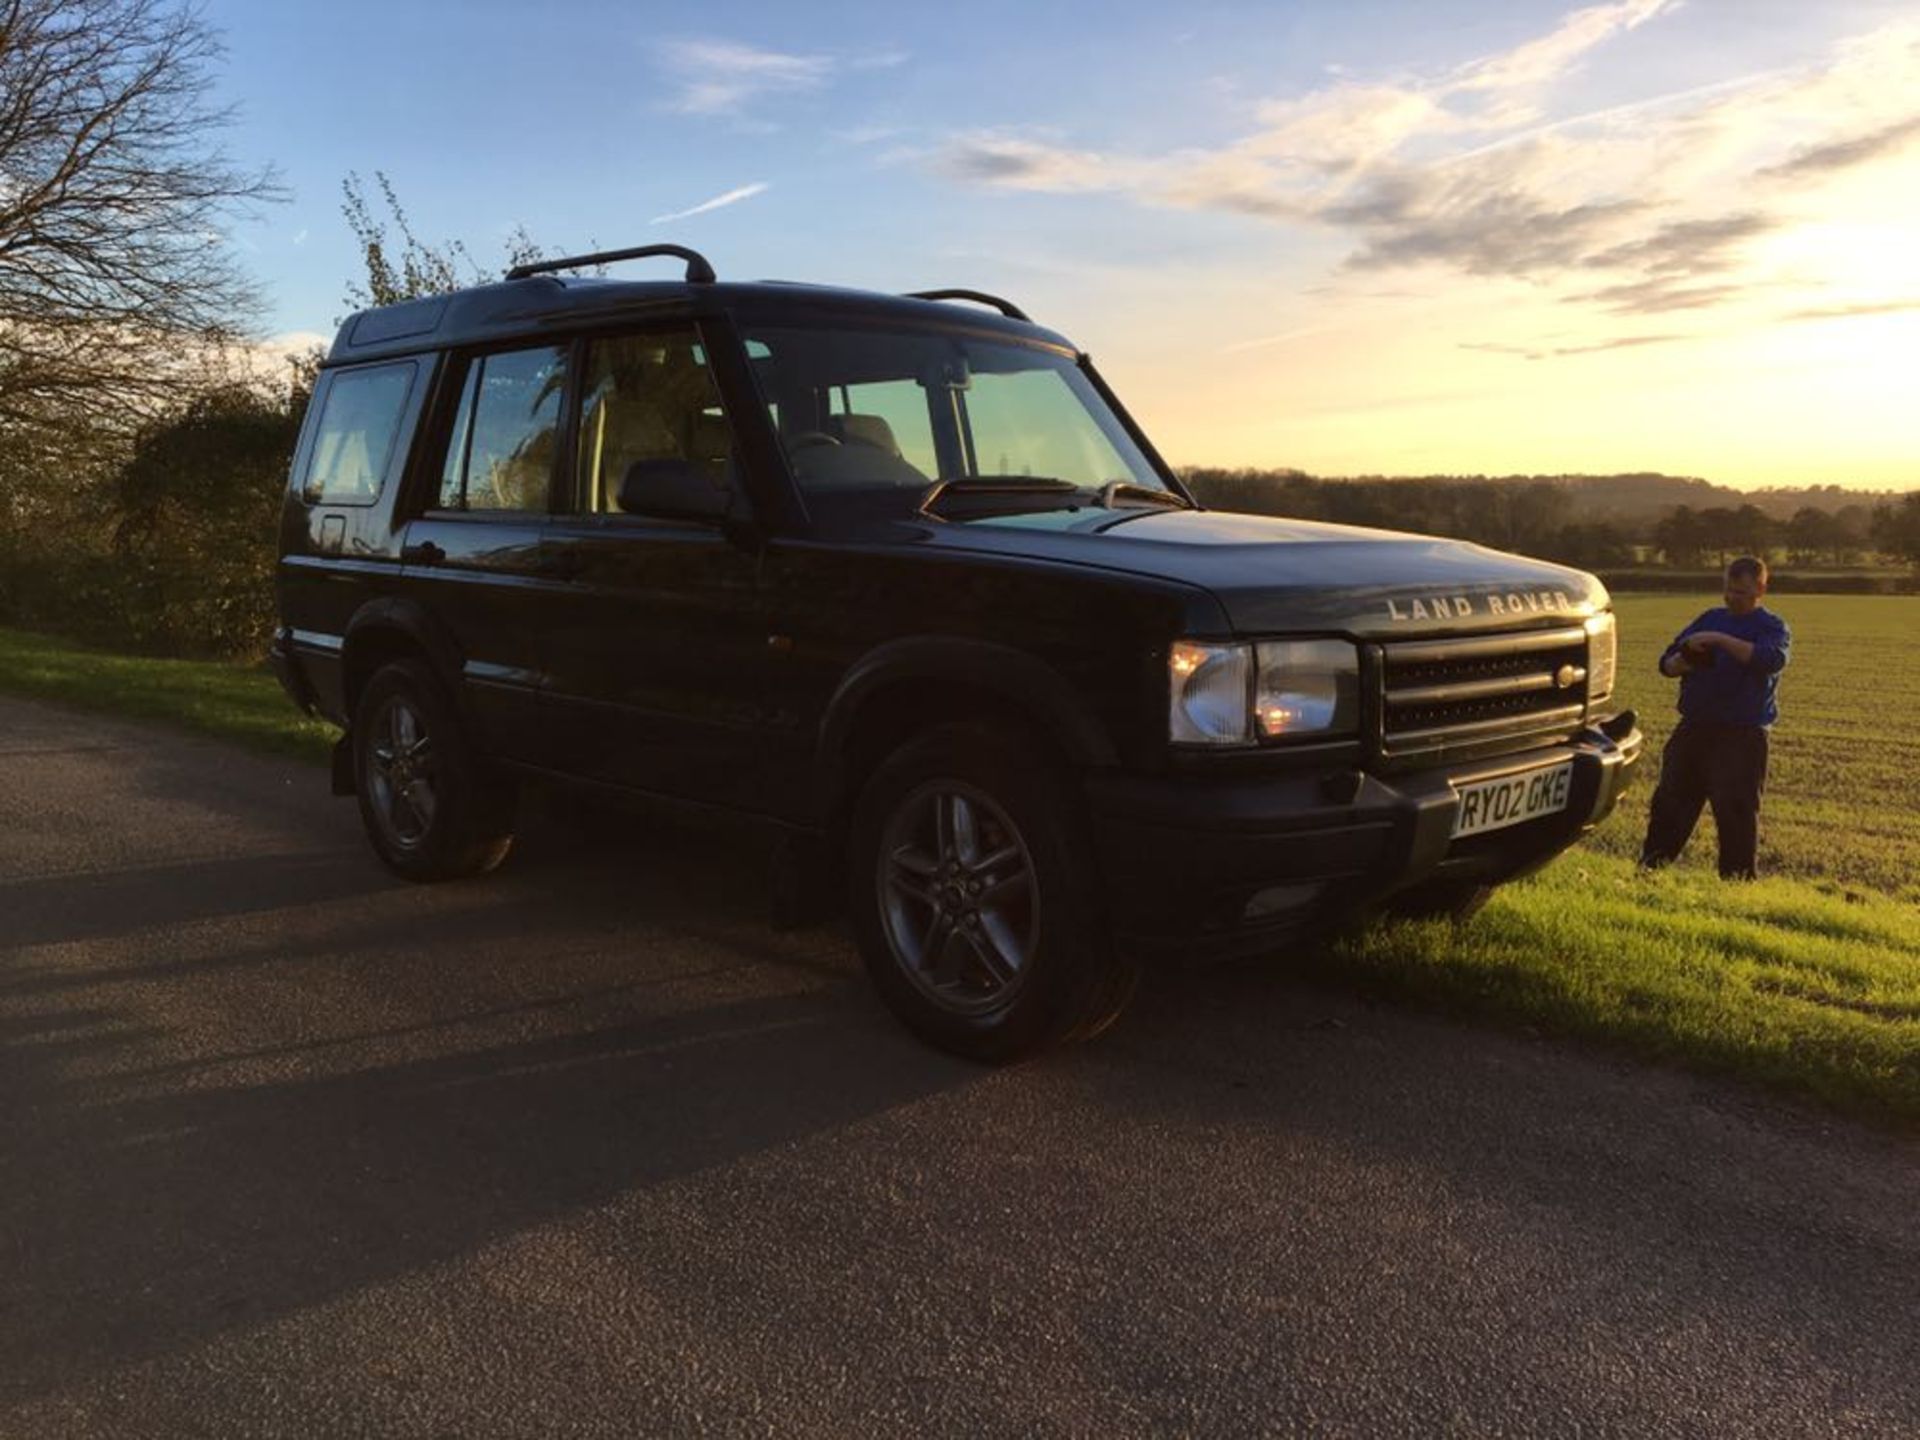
point(1723, 691)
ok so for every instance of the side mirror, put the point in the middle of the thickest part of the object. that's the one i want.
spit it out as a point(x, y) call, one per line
point(672, 490)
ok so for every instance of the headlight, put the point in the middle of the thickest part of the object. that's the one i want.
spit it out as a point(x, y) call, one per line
point(1602, 649)
point(1210, 690)
point(1278, 690)
point(1307, 687)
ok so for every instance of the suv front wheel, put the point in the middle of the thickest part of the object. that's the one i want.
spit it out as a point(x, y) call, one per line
point(429, 810)
point(972, 897)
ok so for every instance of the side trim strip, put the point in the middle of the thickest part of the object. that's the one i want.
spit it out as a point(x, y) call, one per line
point(486, 672)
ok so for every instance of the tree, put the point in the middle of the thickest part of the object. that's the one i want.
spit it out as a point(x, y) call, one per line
point(1592, 545)
point(194, 510)
point(1681, 537)
point(1850, 526)
point(1896, 529)
point(402, 266)
point(114, 274)
point(1811, 533)
point(1754, 531)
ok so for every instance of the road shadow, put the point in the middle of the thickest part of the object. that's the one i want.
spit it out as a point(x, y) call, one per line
point(241, 1087)
point(225, 1110)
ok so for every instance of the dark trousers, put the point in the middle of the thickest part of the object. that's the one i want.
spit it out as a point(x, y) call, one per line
point(1720, 765)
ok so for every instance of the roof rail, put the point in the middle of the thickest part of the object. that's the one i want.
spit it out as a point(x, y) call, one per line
point(1005, 307)
point(699, 272)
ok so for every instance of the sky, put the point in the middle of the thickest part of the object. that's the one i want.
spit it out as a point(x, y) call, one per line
point(1363, 237)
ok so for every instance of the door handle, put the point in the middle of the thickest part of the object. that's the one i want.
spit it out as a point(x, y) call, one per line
point(425, 553)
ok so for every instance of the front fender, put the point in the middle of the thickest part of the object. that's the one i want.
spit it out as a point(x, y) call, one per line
point(1022, 682)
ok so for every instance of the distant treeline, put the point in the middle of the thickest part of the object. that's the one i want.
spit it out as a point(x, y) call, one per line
point(1598, 522)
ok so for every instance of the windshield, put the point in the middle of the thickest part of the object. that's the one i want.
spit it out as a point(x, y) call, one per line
point(866, 410)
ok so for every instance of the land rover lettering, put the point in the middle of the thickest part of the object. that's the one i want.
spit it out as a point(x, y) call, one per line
point(1455, 607)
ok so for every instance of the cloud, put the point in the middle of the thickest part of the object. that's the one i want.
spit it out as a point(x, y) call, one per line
point(1494, 233)
point(1525, 352)
point(1264, 341)
point(1837, 155)
point(730, 197)
point(1538, 63)
point(1014, 163)
point(1851, 312)
point(1639, 208)
point(864, 134)
point(727, 77)
point(1659, 295)
point(722, 77)
point(1337, 156)
point(293, 342)
point(265, 362)
point(1687, 247)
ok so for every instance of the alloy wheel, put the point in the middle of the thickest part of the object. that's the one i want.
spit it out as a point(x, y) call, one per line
point(959, 897)
point(401, 773)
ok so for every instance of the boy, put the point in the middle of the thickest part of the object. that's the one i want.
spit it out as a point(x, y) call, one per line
point(1728, 662)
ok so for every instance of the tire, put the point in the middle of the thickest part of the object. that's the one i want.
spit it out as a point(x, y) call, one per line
point(973, 899)
point(1455, 900)
point(430, 811)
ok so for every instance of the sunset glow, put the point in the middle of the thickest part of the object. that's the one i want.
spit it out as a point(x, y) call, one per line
point(1372, 238)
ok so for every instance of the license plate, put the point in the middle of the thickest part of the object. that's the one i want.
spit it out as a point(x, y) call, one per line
point(1496, 804)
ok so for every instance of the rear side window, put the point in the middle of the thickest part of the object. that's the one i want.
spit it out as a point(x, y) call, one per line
point(501, 450)
point(353, 442)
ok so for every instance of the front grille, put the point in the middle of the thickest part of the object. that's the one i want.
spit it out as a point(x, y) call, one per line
point(1446, 694)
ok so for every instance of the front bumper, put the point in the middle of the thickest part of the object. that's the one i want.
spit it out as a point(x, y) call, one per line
point(1232, 864)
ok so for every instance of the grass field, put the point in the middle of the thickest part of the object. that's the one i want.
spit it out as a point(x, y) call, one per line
point(1842, 806)
point(1808, 979)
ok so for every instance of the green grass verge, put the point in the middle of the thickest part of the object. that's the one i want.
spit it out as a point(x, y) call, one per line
point(1779, 981)
point(1808, 980)
point(243, 703)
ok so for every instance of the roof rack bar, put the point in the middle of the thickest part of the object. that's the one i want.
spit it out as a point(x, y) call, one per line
point(699, 272)
point(1005, 307)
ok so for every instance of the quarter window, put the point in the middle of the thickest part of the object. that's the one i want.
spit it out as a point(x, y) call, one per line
point(353, 442)
point(501, 451)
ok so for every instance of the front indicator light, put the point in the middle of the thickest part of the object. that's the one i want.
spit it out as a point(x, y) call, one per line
point(1603, 643)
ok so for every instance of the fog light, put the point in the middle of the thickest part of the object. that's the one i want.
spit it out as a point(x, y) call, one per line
point(1280, 899)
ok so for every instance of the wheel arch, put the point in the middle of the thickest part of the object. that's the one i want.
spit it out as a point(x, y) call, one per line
point(386, 630)
point(905, 686)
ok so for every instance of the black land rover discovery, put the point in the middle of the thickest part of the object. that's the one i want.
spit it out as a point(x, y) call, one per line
point(901, 577)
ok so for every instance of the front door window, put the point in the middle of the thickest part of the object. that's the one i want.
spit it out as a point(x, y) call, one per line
point(648, 397)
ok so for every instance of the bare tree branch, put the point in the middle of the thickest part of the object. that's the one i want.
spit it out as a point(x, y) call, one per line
point(114, 202)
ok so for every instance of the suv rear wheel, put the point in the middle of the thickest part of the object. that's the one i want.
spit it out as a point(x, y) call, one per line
point(428, 809)
point(972, 898)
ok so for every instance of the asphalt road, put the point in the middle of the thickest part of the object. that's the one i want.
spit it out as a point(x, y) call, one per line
point(290, 1148)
